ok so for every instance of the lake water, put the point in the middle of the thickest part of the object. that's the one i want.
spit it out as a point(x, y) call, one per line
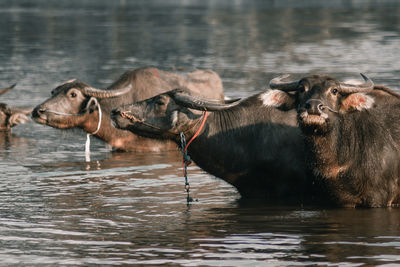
point(130, 208)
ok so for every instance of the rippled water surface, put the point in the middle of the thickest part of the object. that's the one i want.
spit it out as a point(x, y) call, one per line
point(130, 208)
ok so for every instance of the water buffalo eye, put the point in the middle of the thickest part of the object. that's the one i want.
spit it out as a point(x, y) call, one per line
point(335, 91)
point(73, 94)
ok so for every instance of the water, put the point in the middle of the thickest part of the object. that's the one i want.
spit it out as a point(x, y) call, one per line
point(129, 208)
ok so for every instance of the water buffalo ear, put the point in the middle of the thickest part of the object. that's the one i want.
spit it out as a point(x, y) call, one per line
point(357, 101)
point(278, 99)
point(92, 105)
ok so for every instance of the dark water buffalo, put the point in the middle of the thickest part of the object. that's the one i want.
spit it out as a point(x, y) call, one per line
point(76, 104)
point(10, 116)
point(352, 137)
point(249, 143)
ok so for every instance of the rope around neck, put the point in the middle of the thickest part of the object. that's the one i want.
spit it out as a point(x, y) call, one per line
point(186, 158)
point(87, 144)
point(198, 130)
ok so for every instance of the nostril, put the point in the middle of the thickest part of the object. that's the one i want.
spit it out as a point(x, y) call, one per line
point(314, 106)
point(37, 112)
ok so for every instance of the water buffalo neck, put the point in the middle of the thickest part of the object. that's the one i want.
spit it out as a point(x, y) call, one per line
point(92, 123)
point(195, 129)
point(322, 152)
point(215, 147)
point(106, 131)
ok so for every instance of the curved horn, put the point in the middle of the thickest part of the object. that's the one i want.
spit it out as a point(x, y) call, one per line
point(5, 90)
point(90, 91)
point(367, 86)
point(277, 83)
point(69, 81)
point(194, 102)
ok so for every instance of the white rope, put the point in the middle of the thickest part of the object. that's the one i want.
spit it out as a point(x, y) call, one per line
point(62, 113)
point(87, 144)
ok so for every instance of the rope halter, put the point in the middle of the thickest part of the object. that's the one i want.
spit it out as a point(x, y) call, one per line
point(186, 159)
point(87, 144)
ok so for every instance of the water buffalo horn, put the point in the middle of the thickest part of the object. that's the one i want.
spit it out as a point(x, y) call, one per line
point(367, 86)
point(194, 102)
point(277, 83)
point(5, 90)
point(90, 91)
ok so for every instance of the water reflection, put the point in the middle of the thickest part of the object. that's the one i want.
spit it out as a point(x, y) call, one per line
point(11, 143)
point(122, 217)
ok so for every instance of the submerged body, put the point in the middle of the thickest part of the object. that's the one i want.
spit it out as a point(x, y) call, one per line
point(250, 144)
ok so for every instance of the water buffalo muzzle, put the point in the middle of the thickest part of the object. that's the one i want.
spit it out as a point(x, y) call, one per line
point(314, 107)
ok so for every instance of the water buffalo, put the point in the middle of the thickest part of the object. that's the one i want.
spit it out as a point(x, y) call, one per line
point(76, 104)
point(250, 144)
point(352, 137)
point(10, 116)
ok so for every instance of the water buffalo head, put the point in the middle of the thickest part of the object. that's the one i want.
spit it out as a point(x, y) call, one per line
point(166, 115)
point(10, 117)
point(71, 103)
point(320, 99)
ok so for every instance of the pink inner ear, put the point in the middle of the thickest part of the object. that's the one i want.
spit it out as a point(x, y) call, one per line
point(357, 101)
point(276, 98)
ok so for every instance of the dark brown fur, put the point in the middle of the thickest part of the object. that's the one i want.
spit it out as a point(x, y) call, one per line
point(255, 147)
point(352, 141)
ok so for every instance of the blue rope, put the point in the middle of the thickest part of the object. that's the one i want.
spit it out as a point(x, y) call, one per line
point(186, 161)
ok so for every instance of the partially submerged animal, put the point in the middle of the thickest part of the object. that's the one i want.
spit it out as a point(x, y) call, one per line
point(250, 144)
point(352, 137)
point(75, 104)
point(11, 116)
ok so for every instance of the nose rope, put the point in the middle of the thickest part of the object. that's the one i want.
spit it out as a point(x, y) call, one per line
point(127, 115)
point(131, 117)
point(321, 106)
point(87, 143)
point(330, 109)
point(62, 113)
